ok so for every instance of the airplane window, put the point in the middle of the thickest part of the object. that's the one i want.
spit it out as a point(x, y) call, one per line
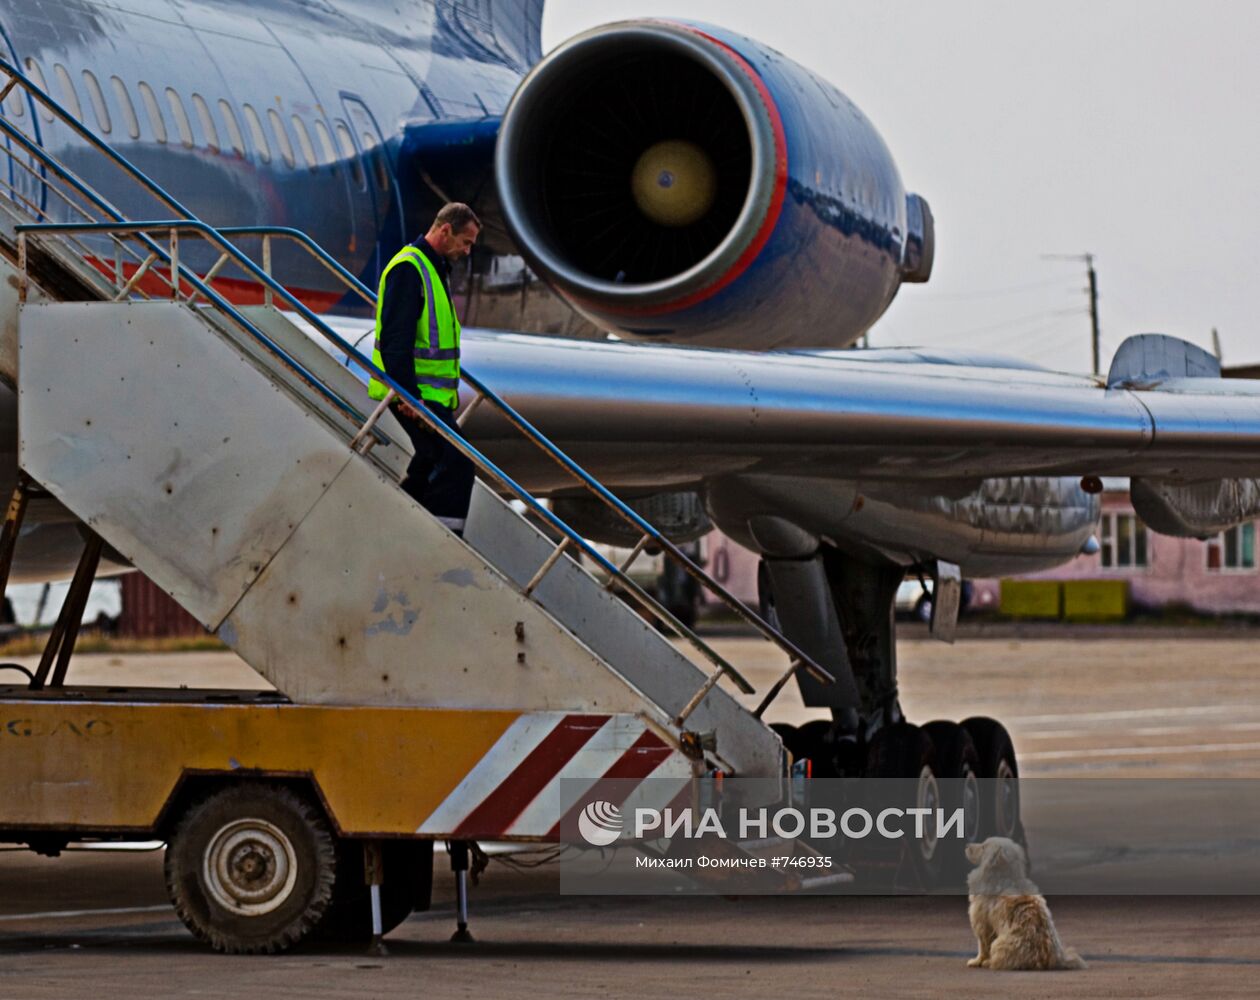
point(377, 158)
point(381, 169)
point(128, 109)
point(207, 122)
point(68, 97)
point(282, 136)
point(97, 98)
point(304, 141)
point(154, 111)
point(15, 102)
point(348, 152)
point(182, 124)
point(254, 124)
point(326, 144)
point(233, 127)
point(37, 77)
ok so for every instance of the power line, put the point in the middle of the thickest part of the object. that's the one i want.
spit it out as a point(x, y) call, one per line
point(1092, 275)
point(1004, 290)
point(1011, 325)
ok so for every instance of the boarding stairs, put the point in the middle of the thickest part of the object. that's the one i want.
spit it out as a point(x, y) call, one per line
point(232, 457)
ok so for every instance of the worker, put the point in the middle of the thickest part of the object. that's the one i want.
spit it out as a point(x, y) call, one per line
point(417, 344)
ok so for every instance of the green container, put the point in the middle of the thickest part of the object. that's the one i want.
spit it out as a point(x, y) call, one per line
point(1032, 598)
point(1095, 600)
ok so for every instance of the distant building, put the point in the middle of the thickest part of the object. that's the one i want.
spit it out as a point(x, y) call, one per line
point(1216, 576)
point(148, 612)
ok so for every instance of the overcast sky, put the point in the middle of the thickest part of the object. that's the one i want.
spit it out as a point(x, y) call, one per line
point(1127, 129)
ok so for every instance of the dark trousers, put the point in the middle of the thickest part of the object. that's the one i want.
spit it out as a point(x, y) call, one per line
point(440, 477)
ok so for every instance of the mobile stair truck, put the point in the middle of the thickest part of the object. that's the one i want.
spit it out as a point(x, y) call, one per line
point(428, 688)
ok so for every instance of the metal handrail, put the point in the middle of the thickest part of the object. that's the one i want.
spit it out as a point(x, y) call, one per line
point(474, 455)
point(544, 443)
point(180, 273)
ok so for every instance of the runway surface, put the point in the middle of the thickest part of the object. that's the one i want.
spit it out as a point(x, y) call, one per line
point(97, 924)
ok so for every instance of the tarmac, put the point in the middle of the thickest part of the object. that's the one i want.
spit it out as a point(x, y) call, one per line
point(97, 924)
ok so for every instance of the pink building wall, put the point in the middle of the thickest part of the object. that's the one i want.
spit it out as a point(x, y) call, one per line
point(1176, 573)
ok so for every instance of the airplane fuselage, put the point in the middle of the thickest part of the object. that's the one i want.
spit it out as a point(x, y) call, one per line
point(354, 124)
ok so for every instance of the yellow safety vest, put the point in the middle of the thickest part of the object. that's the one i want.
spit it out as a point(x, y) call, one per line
point(437, 335)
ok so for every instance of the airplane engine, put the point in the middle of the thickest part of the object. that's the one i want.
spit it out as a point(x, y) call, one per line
point(680, 183)
point(680, 517)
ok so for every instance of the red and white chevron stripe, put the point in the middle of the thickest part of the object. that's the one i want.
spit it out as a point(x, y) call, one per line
point(541, 768)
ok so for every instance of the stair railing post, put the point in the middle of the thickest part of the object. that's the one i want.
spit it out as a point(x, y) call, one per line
point(266, 256)
point(545, 568)
point(174, 264)
point(22, 276)
point(364, 440)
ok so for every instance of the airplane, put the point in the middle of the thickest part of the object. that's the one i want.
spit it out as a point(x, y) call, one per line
point(731, 219)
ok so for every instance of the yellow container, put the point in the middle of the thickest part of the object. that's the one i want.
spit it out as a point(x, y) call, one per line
point(1095, 600)
point(1032, 598)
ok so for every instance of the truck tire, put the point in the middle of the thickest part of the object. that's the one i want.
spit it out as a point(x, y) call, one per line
point(407, 886)
point(250, 869)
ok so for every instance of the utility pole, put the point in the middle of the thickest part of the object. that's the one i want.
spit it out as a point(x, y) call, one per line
point(1093, 309)
point(1088, 258)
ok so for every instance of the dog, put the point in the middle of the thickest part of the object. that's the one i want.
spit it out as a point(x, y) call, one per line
point(1008, 915)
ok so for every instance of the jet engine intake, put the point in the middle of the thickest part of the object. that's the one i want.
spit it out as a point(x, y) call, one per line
point(680, 517)
point(680, 183)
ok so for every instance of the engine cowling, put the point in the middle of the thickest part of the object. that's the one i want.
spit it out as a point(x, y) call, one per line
point(677, 182)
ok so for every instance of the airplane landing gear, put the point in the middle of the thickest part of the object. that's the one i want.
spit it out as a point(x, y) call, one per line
point(999, 806)
point(840, 609)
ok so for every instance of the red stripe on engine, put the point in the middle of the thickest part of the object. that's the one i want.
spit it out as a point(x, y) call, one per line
point(501, 807)
point(772, 213)
point(645, 755)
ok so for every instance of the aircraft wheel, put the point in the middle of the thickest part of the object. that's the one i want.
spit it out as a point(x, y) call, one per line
point(958, 768)
point(407, 885)
point(905, 751)
point(999, 773)
point(815, 743)
point(251, 868)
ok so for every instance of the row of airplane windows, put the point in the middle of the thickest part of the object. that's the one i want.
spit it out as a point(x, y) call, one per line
point(321, 153)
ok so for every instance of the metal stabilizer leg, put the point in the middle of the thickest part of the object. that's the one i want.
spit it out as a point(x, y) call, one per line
point(459, 865)
point(61, 640)
point(374, 875)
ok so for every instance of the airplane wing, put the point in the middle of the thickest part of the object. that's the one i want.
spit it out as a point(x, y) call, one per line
point(682, 415)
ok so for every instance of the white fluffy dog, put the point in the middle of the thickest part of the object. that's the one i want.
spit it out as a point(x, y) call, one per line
point(1009, 916)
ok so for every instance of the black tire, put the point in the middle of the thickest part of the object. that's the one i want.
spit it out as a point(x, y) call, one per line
point(685, 613)
point(815, 742)
point(999, 773)
point(251, 868)
point(407, 885)
point(905, 751)
point(958, 768)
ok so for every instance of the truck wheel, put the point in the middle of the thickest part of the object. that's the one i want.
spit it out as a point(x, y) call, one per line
point(251, 868)
point(408, 884)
